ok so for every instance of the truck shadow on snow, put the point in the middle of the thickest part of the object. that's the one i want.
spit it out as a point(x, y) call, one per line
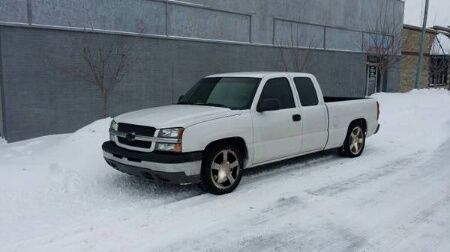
point(301, 162)
point(134, 185)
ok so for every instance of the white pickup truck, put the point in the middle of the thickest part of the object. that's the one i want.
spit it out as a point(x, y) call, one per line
point(230, 122)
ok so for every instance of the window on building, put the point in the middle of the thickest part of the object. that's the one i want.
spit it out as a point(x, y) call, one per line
point(439, 70)
point(379, 44)
point(279, 89)
point(306, 91)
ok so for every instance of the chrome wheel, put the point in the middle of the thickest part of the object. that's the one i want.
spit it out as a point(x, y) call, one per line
point(225, 169)
point(356, 140)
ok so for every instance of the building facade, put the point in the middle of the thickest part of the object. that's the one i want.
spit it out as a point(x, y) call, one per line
point(435, 69)
point(410, 57)
point(172, 44)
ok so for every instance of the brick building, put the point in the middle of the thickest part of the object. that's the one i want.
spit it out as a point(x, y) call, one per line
point(410, 57)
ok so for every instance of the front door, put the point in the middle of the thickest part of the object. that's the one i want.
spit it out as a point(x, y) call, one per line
point(372, 79)
point(277, 133)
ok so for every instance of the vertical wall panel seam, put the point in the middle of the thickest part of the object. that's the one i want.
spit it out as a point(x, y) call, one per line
point(2, 93)
point(167, 18)
point(171, 47)
point(29, 12)
point(250, 32)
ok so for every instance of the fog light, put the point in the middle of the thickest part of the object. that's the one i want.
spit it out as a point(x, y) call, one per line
point(168, 147)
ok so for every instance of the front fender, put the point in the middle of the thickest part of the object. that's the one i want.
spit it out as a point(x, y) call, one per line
point(197, 137)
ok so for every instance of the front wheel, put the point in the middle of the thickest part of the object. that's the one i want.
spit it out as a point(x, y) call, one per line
point(221, 169)
point(354, 142)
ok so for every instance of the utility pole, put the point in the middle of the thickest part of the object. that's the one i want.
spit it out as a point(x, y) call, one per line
point(422, 41)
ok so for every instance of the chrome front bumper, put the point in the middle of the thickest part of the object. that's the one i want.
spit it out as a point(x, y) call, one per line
point(189, 168)
point(162, 167)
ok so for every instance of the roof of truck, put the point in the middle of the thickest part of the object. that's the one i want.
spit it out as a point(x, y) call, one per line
point(250, 74)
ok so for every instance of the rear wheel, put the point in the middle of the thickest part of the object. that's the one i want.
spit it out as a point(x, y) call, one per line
point(221, 169)
point(354, 142)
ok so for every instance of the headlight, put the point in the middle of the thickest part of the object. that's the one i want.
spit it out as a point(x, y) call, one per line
point(171, 133)
point(114, 125)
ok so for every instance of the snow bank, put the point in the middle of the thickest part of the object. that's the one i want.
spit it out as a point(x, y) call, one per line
point(59, 179)
point(415, 121)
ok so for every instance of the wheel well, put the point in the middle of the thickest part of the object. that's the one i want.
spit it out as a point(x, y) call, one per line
point(360, 121)
point(236, 141)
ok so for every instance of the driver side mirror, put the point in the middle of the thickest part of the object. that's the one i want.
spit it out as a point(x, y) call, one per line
point(180, 98)
point(268, 105)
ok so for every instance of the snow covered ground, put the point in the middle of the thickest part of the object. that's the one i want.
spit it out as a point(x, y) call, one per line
point(57, 194)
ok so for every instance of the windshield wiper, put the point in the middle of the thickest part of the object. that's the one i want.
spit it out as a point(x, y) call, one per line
point(203, 104)
point(214, 105)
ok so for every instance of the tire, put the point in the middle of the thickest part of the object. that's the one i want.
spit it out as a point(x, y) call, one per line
point(355, 141)
point(221, 175)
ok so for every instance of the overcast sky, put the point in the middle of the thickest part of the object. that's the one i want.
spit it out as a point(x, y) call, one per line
point(439, 12)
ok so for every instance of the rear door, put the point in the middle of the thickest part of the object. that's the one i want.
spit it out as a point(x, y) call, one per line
point(314, 114)
point(276, 133)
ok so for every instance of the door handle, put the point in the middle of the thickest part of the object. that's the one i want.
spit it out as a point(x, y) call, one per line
point(296, 118)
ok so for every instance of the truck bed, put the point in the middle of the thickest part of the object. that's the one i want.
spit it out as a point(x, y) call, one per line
point(342, 110)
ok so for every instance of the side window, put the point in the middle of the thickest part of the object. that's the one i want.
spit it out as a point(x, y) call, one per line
point(279, 89)
point(306, 91)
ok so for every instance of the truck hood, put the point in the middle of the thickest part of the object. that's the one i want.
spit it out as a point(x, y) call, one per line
point(175, 116)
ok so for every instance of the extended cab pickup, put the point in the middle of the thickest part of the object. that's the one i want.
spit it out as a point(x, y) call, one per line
point(228, 122)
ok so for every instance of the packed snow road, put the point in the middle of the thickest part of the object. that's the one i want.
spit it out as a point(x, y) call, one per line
point(58, 194)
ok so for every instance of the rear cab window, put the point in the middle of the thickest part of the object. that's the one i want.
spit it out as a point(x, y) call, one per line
point(306, 91)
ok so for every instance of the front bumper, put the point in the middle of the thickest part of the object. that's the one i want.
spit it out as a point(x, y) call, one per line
point(176, 168)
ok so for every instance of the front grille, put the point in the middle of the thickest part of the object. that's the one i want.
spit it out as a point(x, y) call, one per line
point(136, 130)
point(135, 143)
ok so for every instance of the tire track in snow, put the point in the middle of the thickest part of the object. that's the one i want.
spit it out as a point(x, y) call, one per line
point(381, 171)
point(421, 209)
point(355, 241)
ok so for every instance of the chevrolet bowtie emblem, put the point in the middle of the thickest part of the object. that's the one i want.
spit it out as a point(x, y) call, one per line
point(131, 136)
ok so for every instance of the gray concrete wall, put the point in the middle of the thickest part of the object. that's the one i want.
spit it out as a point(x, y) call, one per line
point(177, 43)
point(119, 15)
point(253, 21)
point(14, 11)
point(198, 22)
point(349, 14)
point(393, 78)
point(41, 97)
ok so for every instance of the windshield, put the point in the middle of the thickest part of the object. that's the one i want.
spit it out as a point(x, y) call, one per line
point(229, 92)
